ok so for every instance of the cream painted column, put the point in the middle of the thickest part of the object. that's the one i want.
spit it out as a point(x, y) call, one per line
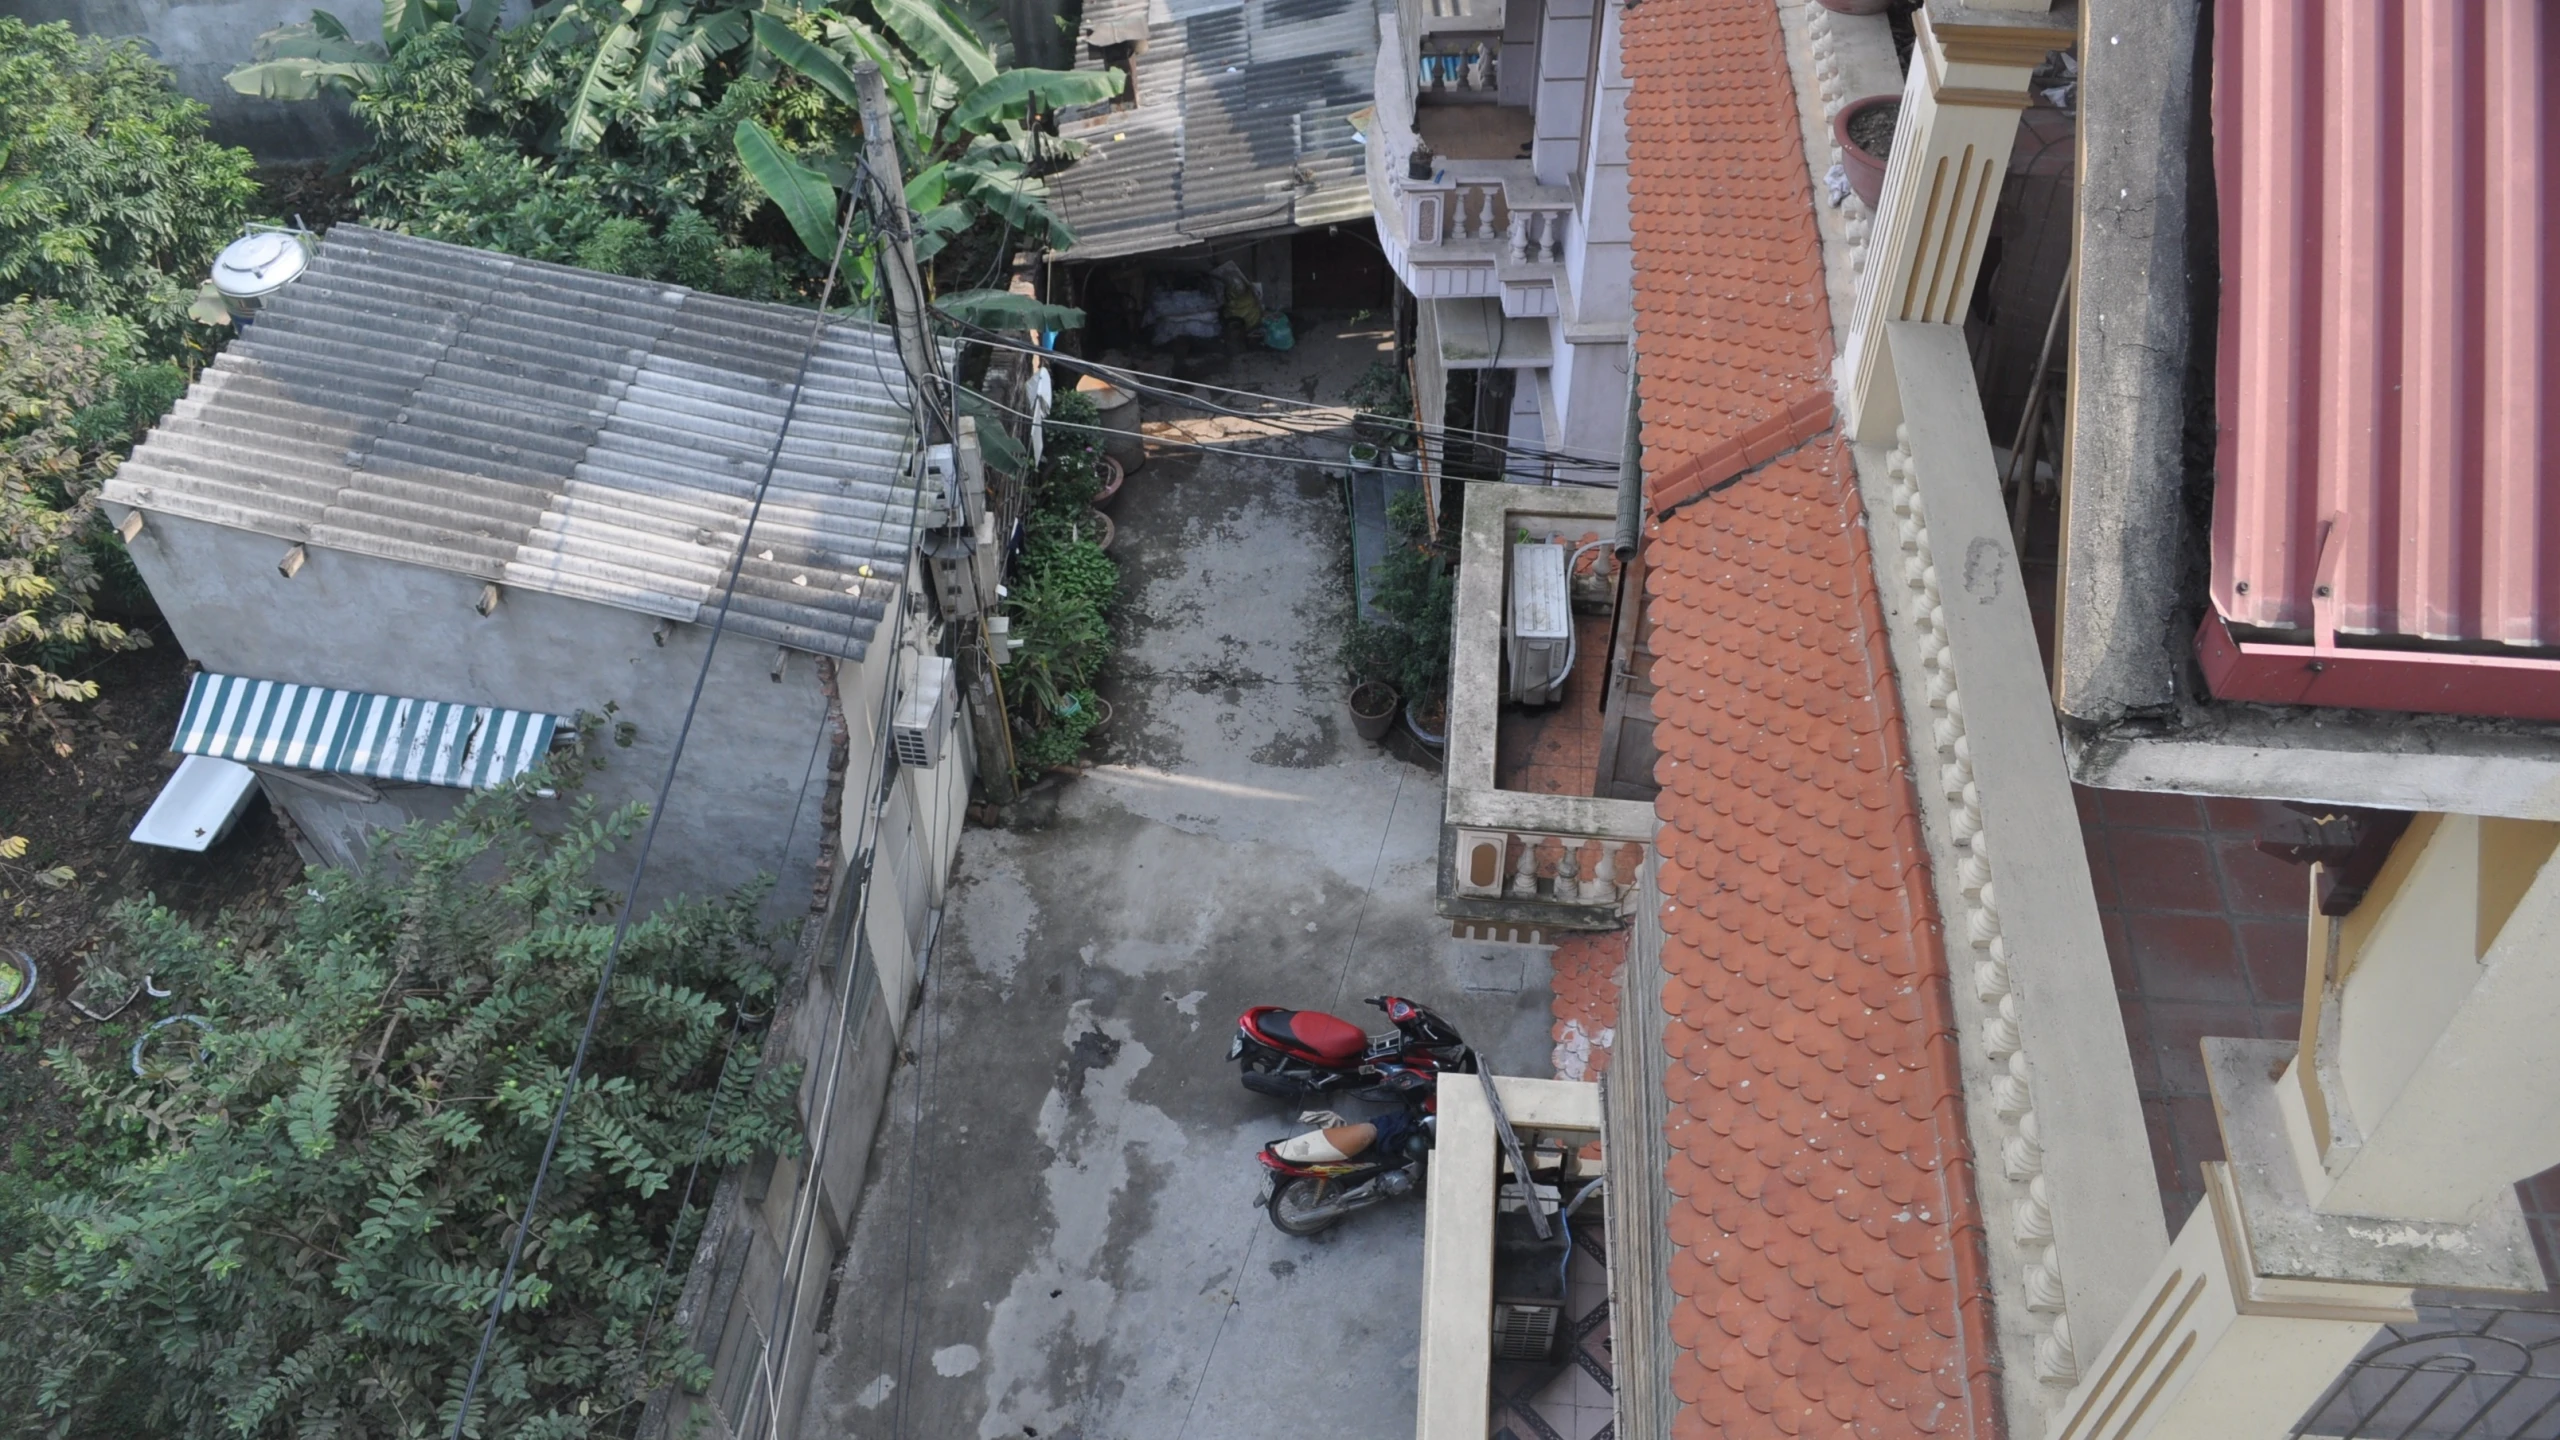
point(2374, 1158)
point(2429, 1091)
point(1960, 108)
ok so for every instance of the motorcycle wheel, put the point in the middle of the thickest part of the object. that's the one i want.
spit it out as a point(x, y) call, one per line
point(1298, 1207)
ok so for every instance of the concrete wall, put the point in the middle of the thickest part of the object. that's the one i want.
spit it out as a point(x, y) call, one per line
point(1599, 249)
point(1591, 400)
point(746, 799)
point(1565, 42)
point(203, 40)
point(754, 1299)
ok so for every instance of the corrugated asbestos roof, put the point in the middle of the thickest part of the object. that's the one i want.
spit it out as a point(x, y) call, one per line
point(2388, 299)
point(1242, 123)
point(567, 432)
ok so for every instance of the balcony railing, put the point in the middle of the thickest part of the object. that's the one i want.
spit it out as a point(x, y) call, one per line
point(1514, 857)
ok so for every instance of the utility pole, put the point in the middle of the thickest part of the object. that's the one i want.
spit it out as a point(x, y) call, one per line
point(958, 535)
point(898, 254)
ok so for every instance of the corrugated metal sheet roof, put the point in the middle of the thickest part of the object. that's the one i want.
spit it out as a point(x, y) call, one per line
point(1242, 124)
point(568, 432)
point(2388, 301)
point(348, 732)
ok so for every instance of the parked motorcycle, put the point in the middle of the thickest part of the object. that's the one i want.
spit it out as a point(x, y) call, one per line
point(1323, 1175)
point(1298, 1055)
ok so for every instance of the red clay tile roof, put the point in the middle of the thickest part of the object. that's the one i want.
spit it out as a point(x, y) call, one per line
point(1585, 1001)
point(1829, 1273)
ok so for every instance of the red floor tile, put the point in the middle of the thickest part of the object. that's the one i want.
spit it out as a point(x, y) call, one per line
point(2199, 1138)
point(2258, 883)
point(2102, 870)
point(2164, 1143)
point(2243, 815)
point(2156, 870)
point(2279, 1024)
point(2119, 954)
point(2186, 957)
point(2273, 952)
point(2137, 1039)
point(2150, 809)
point(2086, 801)
point(2178, 1029)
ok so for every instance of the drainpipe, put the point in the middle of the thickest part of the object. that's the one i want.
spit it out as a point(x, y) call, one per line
point(1630, 473)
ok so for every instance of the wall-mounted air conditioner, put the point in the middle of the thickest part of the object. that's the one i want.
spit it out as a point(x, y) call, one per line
point(924, 713)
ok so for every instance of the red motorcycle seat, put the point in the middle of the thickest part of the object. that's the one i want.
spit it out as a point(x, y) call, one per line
point(1336, 1042)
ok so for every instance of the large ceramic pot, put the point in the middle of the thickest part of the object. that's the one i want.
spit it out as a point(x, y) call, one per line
point(1373, 709)
point(1113, 478)
point(1866, 168)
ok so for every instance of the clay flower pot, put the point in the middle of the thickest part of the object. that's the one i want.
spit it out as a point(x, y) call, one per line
point(1373, 709)
point(1104, 532)
point(1113, 477)
point(1856, 7)
point(1866, 168)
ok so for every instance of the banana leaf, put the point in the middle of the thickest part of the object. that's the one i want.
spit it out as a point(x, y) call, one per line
point(807, 200)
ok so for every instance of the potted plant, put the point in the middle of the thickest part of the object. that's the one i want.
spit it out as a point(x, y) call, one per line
point(1864, 131)
point(1382, 404)
point(1407, 646)
point(1113, 477)
point(1364, 454)
point(1371, 653)
point(17, 980)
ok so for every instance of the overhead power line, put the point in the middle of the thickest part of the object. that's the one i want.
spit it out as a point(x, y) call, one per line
point(1318, 417)
point(640, 864)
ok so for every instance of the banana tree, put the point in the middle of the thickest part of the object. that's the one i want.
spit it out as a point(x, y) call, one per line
point(965, 123)
point(320, 56)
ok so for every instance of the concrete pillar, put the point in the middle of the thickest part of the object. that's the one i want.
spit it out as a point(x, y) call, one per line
point(2423, 1088)
point(2375, 1158)
point(1960, 107)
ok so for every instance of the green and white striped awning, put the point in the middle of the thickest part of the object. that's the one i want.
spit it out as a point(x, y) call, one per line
point(347, 732)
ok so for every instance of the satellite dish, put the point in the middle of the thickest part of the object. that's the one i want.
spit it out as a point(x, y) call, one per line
point(259, 264)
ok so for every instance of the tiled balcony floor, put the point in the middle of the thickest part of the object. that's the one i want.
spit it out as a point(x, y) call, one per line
point(1555, 749)
point(2207, 936)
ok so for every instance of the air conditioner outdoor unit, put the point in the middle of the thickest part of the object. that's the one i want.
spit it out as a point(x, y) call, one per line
point(1539, 634)
point(924, 713)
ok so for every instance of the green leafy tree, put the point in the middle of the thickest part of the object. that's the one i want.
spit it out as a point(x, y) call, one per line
point(73, 397)
point(335, 1153)
point(724, 118)
point(110, 196)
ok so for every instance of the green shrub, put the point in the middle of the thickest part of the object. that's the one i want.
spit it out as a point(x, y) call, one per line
point(73, 397)
point(111, 199)
point(1408, 645)
point(315, 1232)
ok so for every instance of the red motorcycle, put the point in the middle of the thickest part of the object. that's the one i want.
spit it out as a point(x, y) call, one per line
point(1298, 1055)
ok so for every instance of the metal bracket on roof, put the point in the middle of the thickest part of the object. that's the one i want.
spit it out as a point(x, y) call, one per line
point(291, 564)
point(2324, 583)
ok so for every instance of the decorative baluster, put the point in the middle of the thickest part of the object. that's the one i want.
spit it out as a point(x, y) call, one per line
point(1485, 229)
point(1568, 873)
point(1520, 235)
point(1524, 879)
point(1604, 876)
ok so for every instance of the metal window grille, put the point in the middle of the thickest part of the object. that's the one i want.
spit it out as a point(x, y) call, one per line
point(2468, 1368)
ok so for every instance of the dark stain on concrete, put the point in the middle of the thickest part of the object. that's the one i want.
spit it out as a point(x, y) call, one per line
point(1303, 750)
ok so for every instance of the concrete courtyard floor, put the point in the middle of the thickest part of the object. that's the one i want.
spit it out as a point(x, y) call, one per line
point(1059, 1239)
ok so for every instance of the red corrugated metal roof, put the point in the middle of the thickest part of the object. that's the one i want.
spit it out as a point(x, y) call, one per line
point(2387, 379)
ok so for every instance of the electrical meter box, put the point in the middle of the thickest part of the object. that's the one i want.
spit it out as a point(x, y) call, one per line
point(1538, 638)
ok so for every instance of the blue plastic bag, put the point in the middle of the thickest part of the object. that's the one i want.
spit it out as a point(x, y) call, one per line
point(1276, 333)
